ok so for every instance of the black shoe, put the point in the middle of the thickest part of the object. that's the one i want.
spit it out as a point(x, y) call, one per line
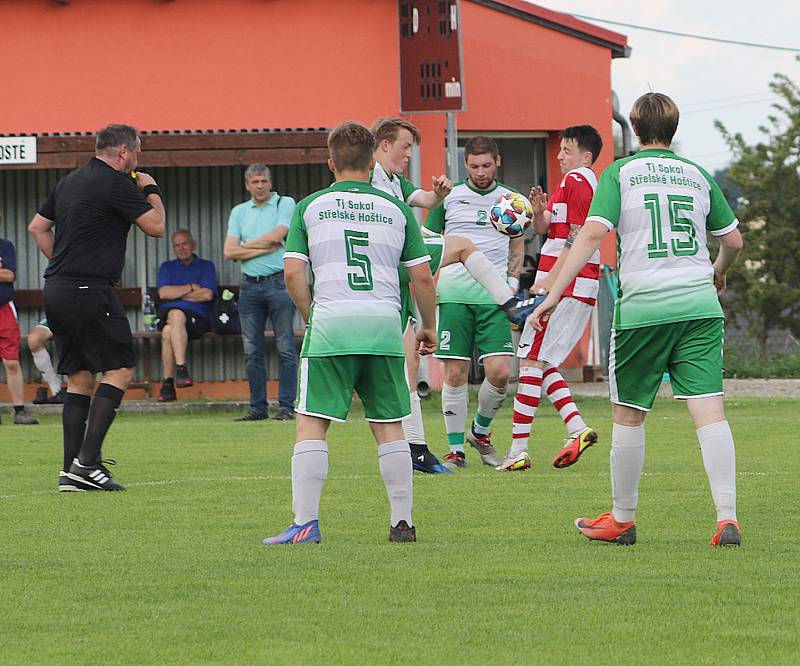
point(402, 533)
point(252, 416)
point(182, 378)
point(95, 477)
point(24, 417)
point(518, 311)
point(41, 396)
point(424, 461)
point(57, 399)
point(167, 392)
point(284, 415)
point(67, 485)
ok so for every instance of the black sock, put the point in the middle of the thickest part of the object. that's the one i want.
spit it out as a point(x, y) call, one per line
point(73, 421)
point(101, 415)
point(18, 408)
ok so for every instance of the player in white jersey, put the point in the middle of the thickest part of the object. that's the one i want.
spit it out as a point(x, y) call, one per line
point(542, 352)
point(354, 237)
point(468, 315)
point(667, 314)
point(395, 137)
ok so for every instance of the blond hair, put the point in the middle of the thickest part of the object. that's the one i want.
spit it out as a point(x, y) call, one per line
point(388, 127)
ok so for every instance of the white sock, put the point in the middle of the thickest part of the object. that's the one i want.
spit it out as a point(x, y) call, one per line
point(480, 268)
point(413, 426)
point(627, 463)
point(454, 408)
point(394, 460)
point(44, 363)
point(309, 471)
point(490, 399)
point(719, 458)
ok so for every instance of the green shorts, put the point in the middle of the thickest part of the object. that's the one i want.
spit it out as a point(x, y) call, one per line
point(691, 351)
point(435, 245)
point(325, 386)
point(463, 326)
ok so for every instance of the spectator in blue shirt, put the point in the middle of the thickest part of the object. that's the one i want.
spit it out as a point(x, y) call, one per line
point(186, 287)
point(256, 231)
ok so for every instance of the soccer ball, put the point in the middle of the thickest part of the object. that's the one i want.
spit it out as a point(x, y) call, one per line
point(511, 214)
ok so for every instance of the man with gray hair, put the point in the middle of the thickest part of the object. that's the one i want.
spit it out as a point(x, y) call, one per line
point(82, 228)
point(256, 232)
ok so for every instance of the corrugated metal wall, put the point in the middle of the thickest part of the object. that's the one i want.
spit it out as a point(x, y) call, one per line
point(197, 198)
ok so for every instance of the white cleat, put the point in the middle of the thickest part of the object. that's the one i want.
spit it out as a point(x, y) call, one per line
point(515, 463)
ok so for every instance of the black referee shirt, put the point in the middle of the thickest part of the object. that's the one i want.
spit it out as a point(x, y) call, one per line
point(93, 209)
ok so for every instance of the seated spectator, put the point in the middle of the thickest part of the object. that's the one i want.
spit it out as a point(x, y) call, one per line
point(37, 341)
point(186, 287)
point(9, 333)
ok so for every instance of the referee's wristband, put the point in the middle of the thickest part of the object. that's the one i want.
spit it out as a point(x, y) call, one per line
point(151, 189)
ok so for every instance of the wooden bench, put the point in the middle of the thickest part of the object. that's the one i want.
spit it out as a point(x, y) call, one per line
point(131, 297)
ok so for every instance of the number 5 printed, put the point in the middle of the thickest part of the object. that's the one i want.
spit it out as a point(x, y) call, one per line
point(359, 279)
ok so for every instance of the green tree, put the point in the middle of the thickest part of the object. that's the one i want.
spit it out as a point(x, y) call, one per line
point(764, 284)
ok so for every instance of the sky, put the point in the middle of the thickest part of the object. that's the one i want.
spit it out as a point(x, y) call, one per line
point(709, 81)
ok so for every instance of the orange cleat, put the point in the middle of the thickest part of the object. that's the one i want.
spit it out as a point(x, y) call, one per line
point(606, 528)
point(727, 534)
point(574, 447)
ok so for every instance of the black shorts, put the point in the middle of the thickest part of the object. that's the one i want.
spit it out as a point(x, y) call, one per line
point(196, 326)
point(90, 327)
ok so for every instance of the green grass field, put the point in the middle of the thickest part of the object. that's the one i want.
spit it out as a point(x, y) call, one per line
point(172, 571)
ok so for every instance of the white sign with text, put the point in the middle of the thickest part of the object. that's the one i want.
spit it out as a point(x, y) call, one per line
point(17, 150)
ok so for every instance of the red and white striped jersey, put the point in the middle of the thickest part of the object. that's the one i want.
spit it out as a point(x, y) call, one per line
point(568, 205)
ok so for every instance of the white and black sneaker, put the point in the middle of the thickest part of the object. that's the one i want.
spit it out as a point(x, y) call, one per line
point(67, 485)
point(93, 477)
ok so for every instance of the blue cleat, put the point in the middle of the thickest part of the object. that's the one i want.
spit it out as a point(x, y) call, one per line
point(424, 461)
point(308, 533)
point(519, 309)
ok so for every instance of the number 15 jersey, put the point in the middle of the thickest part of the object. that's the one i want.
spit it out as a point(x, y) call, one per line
point(354, 237)
point(662, 206)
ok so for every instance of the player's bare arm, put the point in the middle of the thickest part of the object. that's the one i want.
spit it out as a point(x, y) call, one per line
point(541, 216)
point(730, 245)
point(545, 285)
point(234, 251)
point(441, 187)
point(516, 257)
point(294, 272)
point(270, 241)
point(425, 295)
point(42, 231)
point(586, 244)
point(154, 221)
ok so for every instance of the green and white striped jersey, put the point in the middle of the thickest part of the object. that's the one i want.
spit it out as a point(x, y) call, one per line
point(354, 237)
point(465, 213)
point(395, 184)
point(661, 206)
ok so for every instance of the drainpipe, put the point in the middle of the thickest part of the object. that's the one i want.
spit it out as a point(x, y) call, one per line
point(623, 123)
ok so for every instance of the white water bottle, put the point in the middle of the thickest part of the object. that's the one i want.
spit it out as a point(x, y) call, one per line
point(148, 314)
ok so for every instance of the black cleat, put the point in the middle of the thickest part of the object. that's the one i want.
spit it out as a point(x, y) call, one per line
point(41, 396)
point(95, 477)
point(518, 311)
point(24, 417)
point(57, 399)
point(167, 392)
point(402, 533)
point(424, 461)
point(67, 485)
point(284, 415)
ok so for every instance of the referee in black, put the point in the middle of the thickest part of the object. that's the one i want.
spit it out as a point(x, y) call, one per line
point(92, 210)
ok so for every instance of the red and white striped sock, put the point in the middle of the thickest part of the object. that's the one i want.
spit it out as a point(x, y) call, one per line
point(559, 394)
point(525, 403)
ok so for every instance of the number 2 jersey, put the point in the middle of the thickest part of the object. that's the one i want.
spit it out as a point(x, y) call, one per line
point(465, 213)
point(354, 236)
point(662, 206)
point(569, 205)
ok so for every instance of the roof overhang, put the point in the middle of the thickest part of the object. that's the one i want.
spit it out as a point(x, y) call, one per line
point(569, 25)
point(194, 148)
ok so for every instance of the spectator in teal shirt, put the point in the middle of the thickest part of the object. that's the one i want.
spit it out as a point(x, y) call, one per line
point(256, 232)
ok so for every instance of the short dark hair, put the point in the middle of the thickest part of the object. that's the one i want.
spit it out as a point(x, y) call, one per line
point(388, 127)
point(351, 145)
point(113, 136)
point(478, 145)
point(587, 138)
point(655, 118)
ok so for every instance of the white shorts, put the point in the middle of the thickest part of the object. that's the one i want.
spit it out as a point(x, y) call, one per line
point(560, 334)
